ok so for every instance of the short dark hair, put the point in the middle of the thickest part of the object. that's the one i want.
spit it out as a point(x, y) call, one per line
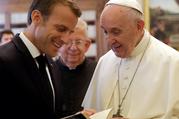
point(6, 31)
point(46, 7)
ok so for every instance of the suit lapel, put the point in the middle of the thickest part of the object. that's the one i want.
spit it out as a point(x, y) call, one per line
point(32, 69)
point(55, 76)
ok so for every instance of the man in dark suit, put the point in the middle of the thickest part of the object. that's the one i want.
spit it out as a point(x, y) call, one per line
point(24, 93)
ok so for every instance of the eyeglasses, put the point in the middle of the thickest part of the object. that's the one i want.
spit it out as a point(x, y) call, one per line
point(76, 42)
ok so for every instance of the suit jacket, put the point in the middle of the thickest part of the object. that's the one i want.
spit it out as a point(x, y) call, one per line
point(22, 95)
point(74, 84)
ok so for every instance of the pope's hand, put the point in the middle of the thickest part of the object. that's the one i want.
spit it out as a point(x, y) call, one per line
point(88, 112)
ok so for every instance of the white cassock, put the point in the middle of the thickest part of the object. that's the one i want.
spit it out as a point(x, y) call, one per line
point(154, 89)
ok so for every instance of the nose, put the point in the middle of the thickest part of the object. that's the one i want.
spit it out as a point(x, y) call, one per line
point(110, 38)
point(73, 46)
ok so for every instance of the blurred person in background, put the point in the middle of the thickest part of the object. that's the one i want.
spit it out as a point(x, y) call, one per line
point(159, 32)
point(6, 36)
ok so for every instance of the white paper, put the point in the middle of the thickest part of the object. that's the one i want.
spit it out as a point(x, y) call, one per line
point(101, 115)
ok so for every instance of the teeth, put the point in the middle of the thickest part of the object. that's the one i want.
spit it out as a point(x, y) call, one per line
point(58, 45)
point(116, 46)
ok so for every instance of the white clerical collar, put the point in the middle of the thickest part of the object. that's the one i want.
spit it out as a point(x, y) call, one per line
point(30, 46)
point(142, 44)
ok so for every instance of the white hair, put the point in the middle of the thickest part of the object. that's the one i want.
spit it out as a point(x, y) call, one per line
point(81, 24)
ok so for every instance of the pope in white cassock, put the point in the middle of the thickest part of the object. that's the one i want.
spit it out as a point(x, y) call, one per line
point(139, 77)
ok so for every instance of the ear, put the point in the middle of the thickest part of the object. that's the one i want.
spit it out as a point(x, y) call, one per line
point(87, 44)
point(36, 16)
point(140, 24)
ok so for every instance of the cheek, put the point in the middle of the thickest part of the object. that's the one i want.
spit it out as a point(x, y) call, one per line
point(82, 55)
point(109, 42)
point(63, 50)
point(63, 55)
point(130, 47)
point(40, 36)
point(130, 44)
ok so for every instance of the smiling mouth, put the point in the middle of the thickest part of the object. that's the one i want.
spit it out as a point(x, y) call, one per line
point(117, 46)
point(58, 45)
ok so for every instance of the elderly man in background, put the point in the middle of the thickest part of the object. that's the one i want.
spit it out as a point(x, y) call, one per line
point(75, 69)
point(139, 77)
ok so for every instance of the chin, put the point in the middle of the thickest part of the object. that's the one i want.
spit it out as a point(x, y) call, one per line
point(116, 53)
point(52, 54)
point(119, 55)
point(72, 67)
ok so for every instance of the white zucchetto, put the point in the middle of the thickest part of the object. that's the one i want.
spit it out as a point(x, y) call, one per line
point(128, 3)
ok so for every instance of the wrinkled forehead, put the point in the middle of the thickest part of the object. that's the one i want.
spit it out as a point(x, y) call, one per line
point(79, 32)
point(77, 35)
point(113, 9)
point(114, 13)
point(7, 35)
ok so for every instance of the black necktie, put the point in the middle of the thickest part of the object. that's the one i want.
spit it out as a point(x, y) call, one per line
point(45, 82)
point(42, 66)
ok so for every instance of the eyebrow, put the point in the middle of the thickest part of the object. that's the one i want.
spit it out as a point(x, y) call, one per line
point(115, 29)
point(57, 26)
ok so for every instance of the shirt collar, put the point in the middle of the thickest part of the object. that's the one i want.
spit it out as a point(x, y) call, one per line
point(30, 46)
